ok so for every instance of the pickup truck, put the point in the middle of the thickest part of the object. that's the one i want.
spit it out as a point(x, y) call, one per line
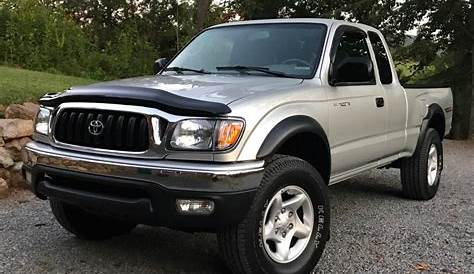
point(241, 133)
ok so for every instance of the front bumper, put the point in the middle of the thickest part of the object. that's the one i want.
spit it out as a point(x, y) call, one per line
point(143, 191)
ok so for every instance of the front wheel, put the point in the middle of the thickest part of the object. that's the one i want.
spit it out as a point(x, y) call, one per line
point(287, 227)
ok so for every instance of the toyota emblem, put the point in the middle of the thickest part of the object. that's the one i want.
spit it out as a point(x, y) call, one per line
point(96, 127)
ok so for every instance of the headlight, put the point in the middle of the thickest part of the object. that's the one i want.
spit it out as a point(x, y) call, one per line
point(42, 121)
point(206, 134)
point(193, 134)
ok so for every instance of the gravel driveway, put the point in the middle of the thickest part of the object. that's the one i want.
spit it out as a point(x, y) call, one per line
point(374, 230)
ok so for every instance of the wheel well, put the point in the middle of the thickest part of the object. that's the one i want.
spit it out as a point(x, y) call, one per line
point(311, 148)
point(437, 122)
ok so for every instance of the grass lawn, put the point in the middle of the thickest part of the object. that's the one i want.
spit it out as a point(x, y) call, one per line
point(19, 85)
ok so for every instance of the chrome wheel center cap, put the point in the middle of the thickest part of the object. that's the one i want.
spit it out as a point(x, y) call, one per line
point(284, 223)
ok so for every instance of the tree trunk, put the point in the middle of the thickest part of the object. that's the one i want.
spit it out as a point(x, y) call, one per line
point(472, 74)
point(202, 13)
point(462, 112)
point(461, 84)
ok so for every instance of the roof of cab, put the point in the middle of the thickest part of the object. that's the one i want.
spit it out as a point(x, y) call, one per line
point(328, 22)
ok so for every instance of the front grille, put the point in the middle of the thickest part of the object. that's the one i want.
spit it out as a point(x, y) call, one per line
point(114, 130)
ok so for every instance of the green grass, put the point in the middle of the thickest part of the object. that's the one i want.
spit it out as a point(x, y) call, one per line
point(19, 85)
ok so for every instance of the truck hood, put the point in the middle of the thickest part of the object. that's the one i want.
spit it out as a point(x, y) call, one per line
point(214, 88)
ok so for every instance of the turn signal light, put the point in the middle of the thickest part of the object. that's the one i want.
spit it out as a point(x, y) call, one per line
point(228, 134)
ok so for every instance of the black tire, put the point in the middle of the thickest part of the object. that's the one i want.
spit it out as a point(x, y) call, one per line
point(85, 225)
point(242, 244)
point(414, 170)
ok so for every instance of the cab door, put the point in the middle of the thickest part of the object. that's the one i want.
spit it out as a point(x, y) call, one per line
point(395, 97)
point(357, 111)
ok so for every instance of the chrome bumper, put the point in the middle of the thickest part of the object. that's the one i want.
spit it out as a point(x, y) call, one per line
point(179, 175)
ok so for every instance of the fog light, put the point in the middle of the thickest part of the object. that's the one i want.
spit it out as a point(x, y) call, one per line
point(195, 207)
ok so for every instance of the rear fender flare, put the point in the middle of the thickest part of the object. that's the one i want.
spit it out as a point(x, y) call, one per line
point(432, 110)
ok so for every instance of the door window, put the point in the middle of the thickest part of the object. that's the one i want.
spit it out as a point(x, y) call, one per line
point(352, 62)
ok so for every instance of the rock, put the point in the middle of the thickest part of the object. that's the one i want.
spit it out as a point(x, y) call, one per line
point(2, 108)
point(26, 111)
point(17, 167)
point(18, 144)
point(13, 176)
point(16, 177)
point(4, 191)
point(15, 155)
point(5, 158)
point(4, 174)
point(15, 146)
point(33, 106)
point(2, 142)
point(15, 128)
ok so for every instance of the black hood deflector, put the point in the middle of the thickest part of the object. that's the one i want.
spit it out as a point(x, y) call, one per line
point(140, 96)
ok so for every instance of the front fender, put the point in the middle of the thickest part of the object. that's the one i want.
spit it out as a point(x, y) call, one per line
point(288, 128)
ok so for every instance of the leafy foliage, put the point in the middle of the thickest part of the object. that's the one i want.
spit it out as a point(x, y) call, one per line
point(441, 54)
point(94, 39)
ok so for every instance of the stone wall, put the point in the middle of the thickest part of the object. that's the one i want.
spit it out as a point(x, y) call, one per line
point(15, 131)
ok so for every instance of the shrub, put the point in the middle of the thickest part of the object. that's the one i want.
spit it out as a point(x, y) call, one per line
point(39, 37)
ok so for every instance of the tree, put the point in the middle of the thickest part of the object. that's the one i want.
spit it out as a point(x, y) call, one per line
point(202, 13)
point(444, 43)
point(258, 9)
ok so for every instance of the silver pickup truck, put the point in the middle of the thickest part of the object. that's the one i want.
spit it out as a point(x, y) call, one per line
point(239, 134)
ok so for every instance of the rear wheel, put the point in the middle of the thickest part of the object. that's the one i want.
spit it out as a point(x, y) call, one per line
point(421, 173)
point(88, 226)
point(287, 227)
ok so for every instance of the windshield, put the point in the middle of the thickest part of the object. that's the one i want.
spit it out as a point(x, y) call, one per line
point(291, 49)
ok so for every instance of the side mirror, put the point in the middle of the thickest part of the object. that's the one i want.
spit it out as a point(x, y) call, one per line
point(352, 71)
point(160, 64)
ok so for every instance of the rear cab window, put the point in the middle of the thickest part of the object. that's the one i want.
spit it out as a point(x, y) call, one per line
point(381, 57)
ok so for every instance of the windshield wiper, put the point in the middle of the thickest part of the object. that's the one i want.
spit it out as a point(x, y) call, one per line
point(180, 70)
point(259, 69)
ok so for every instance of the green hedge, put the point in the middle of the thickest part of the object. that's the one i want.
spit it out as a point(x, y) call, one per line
point(38, 37)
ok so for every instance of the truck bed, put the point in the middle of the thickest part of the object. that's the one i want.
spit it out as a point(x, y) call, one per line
point(418, 99)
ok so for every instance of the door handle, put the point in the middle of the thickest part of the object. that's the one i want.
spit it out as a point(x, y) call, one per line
point(379, 102)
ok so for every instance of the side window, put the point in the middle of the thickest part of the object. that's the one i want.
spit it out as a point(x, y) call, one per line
point(352, 63)
point(381, 56)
